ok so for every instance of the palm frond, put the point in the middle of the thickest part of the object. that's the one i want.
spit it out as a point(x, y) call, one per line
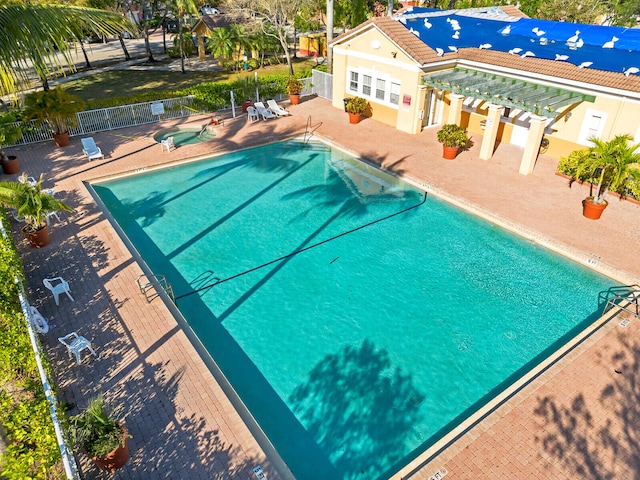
point(30, 35)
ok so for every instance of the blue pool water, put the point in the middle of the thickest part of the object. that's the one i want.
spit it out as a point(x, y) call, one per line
point(399, 316)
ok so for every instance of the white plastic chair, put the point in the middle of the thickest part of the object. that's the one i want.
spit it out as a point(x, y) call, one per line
point(167, 143)
point(252, 114)
point(90, 149)
point(277, 109)
point(50, 216)
point(38, 321)
point(30, 180)
point(75, 344)
point(58, 285)
point(264, 111)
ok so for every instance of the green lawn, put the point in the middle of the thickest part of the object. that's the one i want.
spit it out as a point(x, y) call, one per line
point(118, 83)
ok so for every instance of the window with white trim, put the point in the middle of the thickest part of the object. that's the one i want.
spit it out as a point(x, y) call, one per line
point(366, 85)
point(353, 83)
point(592, 126)
point(394, 95)
point(378, 87)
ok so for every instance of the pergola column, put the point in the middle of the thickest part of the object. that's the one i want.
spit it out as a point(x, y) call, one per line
point(531, 149)
point(491, 131)
point(455, 108)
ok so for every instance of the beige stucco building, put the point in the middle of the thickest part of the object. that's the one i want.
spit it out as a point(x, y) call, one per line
point(508, 94)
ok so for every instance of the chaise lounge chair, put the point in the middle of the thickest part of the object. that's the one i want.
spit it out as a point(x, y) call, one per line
point(264, 111)
point(277, 109)
point(90, 149)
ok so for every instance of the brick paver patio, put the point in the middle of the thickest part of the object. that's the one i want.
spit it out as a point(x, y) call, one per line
point(579, 416)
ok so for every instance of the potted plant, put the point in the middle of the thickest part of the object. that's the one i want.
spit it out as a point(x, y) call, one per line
point(57, 108)
point(611, 165)
point(294, 87)
point(32, 205)
point(9, 133)
point(245, 88)
point(452, 137)
point(100, 435)
point(356, 106)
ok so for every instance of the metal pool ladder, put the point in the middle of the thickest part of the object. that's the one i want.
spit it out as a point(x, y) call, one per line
point(309, 130)
point(626, 298)
point(149, 287)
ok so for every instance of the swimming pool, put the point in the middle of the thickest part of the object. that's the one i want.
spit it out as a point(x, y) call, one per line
point(399, 316)
point(186, 134)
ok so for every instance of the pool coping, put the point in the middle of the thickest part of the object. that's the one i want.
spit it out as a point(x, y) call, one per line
point(429, 188)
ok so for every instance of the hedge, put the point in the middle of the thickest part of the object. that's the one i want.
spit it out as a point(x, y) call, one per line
point(33, 450)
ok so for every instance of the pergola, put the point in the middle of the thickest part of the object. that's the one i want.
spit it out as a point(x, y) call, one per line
point(544, 102)
point(511, 92)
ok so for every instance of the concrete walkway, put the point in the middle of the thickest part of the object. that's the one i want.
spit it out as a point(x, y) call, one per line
point(578, 416)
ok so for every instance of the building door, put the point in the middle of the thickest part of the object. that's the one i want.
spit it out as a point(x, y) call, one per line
point(432, 108)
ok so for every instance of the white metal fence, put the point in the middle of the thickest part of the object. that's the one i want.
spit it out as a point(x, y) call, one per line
point(112, 118)
point(322, 84)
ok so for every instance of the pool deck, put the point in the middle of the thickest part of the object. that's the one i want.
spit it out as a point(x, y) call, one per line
point(580, 415)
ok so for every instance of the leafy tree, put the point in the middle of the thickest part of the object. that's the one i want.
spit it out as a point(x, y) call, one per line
point(350, 13)
point(30, 34)
point(221, 43)
point(625, 13)
point(181, 8)
point(274, 17)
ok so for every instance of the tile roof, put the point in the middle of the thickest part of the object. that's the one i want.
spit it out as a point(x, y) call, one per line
point(552, 68)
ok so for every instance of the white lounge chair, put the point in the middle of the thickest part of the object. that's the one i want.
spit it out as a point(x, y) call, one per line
point(58, 285)
point(252, 114)
point(167, 143)
point(90, 149)
point(264, 111)
point(75, 344)
point(277, 109)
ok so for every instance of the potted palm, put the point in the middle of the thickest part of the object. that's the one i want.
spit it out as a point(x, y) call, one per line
point(100, 435)
point(32, 205)
point(57, 108)
point(612, 166)
point(452, 137)
point(356, 106)
point(10, 132)
point(294, 87)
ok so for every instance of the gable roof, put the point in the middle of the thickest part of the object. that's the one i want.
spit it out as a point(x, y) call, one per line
point(220, 21)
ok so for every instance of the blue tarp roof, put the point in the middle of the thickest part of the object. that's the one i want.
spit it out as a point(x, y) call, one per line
point(614, 49)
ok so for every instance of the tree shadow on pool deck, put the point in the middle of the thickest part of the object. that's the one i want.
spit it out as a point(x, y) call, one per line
point(360, 409)
point(597, 436)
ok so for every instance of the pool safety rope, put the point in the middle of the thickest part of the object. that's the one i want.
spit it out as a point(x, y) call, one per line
point(211, 285)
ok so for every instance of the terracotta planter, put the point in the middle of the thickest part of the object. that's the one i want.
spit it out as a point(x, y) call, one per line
point(354, 117)
point(593, 210)
point(449, 153)
point(39, 238)
point(294, 99)
point(11, 166)
point(116, 458)
point(62, 140)
point(245, 105)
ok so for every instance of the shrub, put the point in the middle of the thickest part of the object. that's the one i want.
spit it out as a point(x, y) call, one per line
point(24, 411)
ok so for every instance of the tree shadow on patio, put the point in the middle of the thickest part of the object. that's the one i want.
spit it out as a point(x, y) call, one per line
point(598, 437)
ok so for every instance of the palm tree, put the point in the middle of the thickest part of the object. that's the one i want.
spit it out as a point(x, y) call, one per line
point(181, 8)
point(31, 33)
point(614, 164)
point(221, 43)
